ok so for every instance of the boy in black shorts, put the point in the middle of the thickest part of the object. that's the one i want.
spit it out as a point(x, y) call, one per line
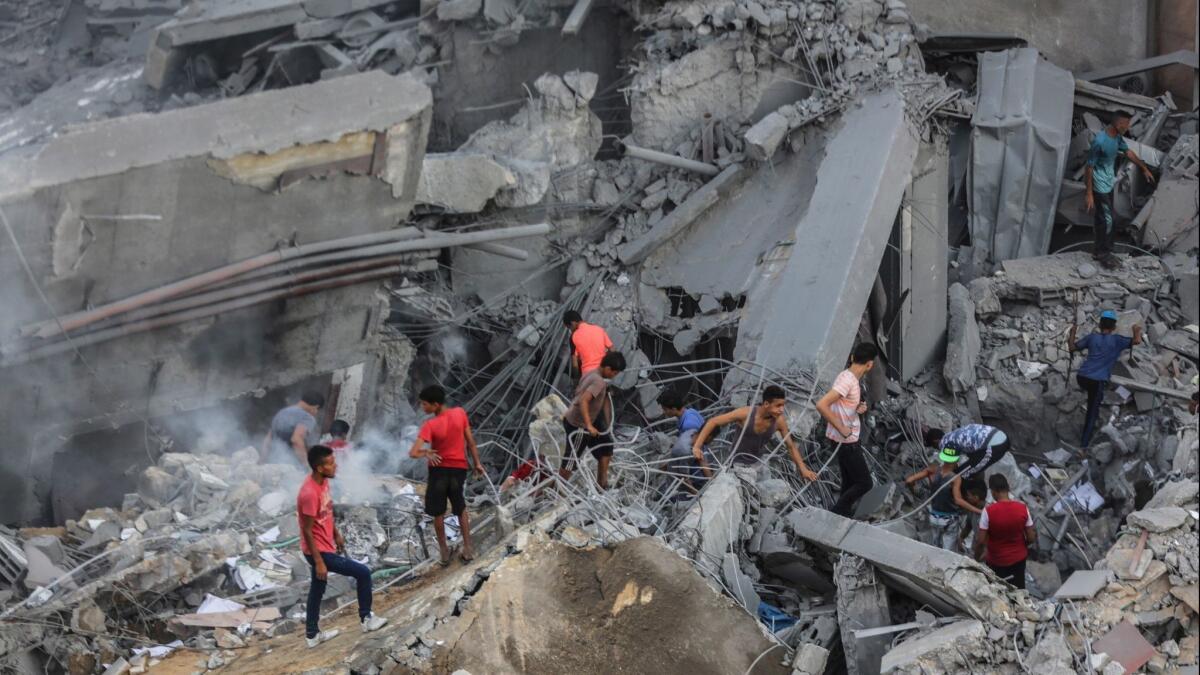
point(591, 398)
point(447, 435)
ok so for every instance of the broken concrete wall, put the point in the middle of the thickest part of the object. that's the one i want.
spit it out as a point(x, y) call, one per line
point(838, 244)
point(478, 86)
point(1019, 147)
point(161, 197)
point(722, 78)
point(1078, 37)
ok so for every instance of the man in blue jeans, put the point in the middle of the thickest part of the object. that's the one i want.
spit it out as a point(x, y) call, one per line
point(1103, 349)
point(323, 545)
point(1100, 177)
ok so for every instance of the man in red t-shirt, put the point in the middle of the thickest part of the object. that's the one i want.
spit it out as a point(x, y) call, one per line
point(1005, 534)
point(443, 441)
point(535, 468)
point(589, 342)
point(323, 546)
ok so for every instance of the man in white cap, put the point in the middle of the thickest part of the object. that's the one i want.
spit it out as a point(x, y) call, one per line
point(1103, 349)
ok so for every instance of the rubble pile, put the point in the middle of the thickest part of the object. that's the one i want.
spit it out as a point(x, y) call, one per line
point(206, 552)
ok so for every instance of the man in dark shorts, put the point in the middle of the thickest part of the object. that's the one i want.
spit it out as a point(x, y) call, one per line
point(443, 441)
point(590, 401)
point(972, 449)
point(759, 424)
point(1005, 534)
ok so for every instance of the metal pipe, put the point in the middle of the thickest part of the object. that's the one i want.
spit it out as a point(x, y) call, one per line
point(501, 250)
point(239, 290)
point(670, 160)
point(76, 320)
point(125, 330)
point(177, 288)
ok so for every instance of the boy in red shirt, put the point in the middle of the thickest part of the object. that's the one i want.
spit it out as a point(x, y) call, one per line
point(447, 436)
point(322, 546)
point(1006, 533)
point(589, 342)
point(338, 432)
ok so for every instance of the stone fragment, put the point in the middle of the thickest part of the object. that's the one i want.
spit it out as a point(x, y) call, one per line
point(764, 137)
point(810, 659)
point(943, 650)
point(685, 341)
point(983, 294)
point(963, 341)
point(1158, 520)
point(461, 182)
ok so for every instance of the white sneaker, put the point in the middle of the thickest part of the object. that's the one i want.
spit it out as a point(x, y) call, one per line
point(371, 622)
point(323, 636)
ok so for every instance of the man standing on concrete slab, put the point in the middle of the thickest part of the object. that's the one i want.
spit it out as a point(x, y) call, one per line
point(759, 424)
point(841, 407)
point(589, 343)
point(972, 449)
point(323, 547)
point(589, 405)
point(443, 441)
point(1100, 178)
point(1005, 534)
point(689, 422)
point(294, 430)
point(1103, 349)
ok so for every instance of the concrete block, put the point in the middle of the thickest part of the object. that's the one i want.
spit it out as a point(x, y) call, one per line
point(764, 137)
point(740, 585)
point(711, 526)
point(1175, 493)
point(939, 651)
point(1158, 520)
point(810, 660)
point(1082, 584)
point(458, 10)
point(963, 343)
point(461, 182)
point(862, 602)
point(1172, 225)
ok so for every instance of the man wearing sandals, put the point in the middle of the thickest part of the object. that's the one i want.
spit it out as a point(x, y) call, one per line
point(443, 441)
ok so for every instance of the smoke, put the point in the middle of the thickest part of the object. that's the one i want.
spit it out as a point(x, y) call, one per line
point(376, 454)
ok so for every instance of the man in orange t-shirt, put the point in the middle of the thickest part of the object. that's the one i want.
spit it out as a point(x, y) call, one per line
point(589, 343)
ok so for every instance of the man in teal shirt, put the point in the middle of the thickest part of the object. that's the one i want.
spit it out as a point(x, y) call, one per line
point(1101, 177)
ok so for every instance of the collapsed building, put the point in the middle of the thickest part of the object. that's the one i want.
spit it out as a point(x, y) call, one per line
point(216, 205)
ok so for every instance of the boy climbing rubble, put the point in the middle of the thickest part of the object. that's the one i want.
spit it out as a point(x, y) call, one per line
point(841, 407)
point(759, 424)
point(971, 449)
point(590, 404)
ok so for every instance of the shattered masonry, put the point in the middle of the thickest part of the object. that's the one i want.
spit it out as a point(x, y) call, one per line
point(210, 206)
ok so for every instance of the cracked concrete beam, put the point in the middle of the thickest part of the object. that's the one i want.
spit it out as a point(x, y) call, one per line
point(675, 222)
point(951, 578)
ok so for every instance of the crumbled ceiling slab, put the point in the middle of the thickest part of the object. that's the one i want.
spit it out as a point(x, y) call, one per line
point(261, 123)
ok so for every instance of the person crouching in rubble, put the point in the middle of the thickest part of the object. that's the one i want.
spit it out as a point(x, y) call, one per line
point(840, 407)
point(591, 402)
point(324, 548)
point(535, 469)
point(759, 424)
point(1005, 534)
point(443, 441)
point(293, 430)
point(689, 422)
point(1103, 349)
point(1100, 177)
point(972, 449)
point(945, 516)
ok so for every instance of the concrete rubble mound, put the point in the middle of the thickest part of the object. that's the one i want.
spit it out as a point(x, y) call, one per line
point(212, 209)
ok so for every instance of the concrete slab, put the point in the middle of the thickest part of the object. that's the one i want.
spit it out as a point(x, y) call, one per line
point(1125, 645)
point(844, 230)
point(952, 580)
point(862, 602)
point(943, 647)
point(697, 203)
point(1082, 584)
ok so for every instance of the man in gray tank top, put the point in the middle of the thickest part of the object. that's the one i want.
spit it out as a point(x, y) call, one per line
point(759, 424)
point(294, 430)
